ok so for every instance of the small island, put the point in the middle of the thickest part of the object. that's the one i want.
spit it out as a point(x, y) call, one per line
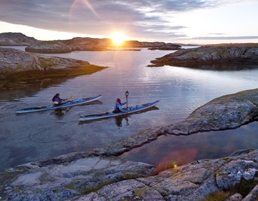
point(213, 57)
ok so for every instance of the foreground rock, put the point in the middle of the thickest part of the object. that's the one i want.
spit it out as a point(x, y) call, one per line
point(98, 178)
point(216, 57)
point(18, 67)
point(63, 181)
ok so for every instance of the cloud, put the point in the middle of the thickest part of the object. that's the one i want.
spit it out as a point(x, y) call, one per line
point(226, 38)
point(218, 34)
point(138, 18)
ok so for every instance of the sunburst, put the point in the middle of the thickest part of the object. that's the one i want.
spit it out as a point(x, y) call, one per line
point(118, 38)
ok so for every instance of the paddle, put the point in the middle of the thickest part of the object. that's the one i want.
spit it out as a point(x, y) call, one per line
point(70, 99)
point(126, 95)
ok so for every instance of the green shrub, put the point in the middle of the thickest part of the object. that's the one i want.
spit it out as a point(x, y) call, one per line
point(217, 196)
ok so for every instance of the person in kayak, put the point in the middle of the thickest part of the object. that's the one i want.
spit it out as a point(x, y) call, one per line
point(57, 100)
point(118, 106)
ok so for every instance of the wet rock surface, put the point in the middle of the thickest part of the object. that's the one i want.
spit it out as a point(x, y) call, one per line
point(99, 175)
point(213, 57)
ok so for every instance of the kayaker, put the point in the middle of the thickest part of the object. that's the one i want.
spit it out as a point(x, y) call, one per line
point(57, 100)
point(118, 106)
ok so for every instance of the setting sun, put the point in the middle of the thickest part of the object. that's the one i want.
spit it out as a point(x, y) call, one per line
point(118, 38)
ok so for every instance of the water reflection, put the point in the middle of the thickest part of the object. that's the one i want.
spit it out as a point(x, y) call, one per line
point(220, 66)
point(118, 121)
point(171, 150)
point(60, 112)
point(21, 90)
point(175, 159)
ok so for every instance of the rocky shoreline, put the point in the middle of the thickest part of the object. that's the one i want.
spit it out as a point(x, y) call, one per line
point(100, 175)
point(213, 57)
point(19, 68)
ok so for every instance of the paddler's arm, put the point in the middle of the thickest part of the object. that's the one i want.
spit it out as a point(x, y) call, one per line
point(121, 109)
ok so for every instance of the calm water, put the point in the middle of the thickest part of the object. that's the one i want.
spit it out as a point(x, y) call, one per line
point(36, 136)
point(170, 149)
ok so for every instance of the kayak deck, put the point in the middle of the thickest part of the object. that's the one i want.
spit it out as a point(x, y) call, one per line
point(130, 110)
point(63, 105)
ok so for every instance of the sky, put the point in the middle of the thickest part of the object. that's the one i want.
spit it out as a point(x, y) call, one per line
point(175, 21)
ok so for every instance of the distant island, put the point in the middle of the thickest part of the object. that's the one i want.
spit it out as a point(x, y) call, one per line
point(78, 44)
